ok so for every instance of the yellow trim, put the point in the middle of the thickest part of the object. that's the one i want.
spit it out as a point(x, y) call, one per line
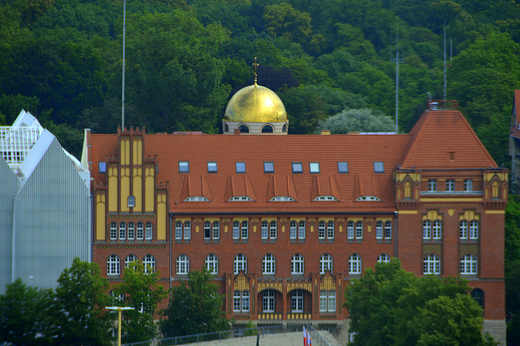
point(161, 217)
point(495, 211)
point(100, 217)
point(451, 200)
point(384, 219)
point(405, 212)
point(149, 189)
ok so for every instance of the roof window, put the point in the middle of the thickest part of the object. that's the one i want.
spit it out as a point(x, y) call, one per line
point(184, 167)
point(297, 167)
point(212, 167)
point(314, 167)
point(268, 167)
point(241, 167)
point(342, 167)
point(379, 167)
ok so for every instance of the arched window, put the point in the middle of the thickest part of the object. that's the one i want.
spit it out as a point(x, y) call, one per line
point(207, 230)
point(129, 259)
point(383, 258)
point(236, 230)
point(359, 230)
point(297, 301)
point(268, 264)
point(265, 230)
point(432, 265)
point(113, 265)
point(388, 230)
point(149, 263)
point(350, 230)
point(131, 231)
point(131, 201)
point(463, 229)
point(468, 185)
point(379, 230)
point(183, 264)
point(473, 229)
point(267, 129)
point(284, 128)
point(321, 230)
point(243, 129)
point(330, 230)
point(149, 231)
point(240, 264)
point(178, 230)
point(301, 230)
point(226, 128)
point(273, 230)
point(327, 301)
point(122, 231)
point(297, 264)
point(495, 193)
point(113, 231)
point(326, 263)
point(268, 302)
point(187, 230)
point(140, 231)
point(216, 230)
point(212, 263)
point(427, 229)
point(468, 264)
point(354, 264)
point(478, 295)
point(245, 230)
point(437, 229)
point(293, 230)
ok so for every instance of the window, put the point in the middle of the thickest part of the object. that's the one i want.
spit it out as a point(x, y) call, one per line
point(284, 128)
point(478, 295)
point(268, 264)
point(196, 199)
point(207, 230)
point(245, 230)
point(463, 229)
point(293, 230)
point(437, 229)
point(427, 229)
point(102, 167)
point(473, 229)
point(212, 167)
point(183, 264)
point(431, 265)
point(321, 230)
point(212, 263)
point(240, 199)
point(149, 231)
point(383, 258)
point(301, 230)
point(273, 230)
point(113, 265)
point(432, 185)
point(281, 199)
point(216, 230)
point(122, 231)
point(450, 185)
point(314, 167)
point(131, 201)
point(245, 301)
point(342, 167)
point(388, 230)
point(265, 230)
point(268, 301)
point(326, 263)
point(297, 167)
point(236, 230)
point(359, 230)
point(241, 301)
point(149, 264)
point(468, 264)
point(297, 264)
point(325, 198)
point(268, 167)
point(297, 301)
point(407, 190)
point(113, 231)
point(379, 167)
point(330, 230)
point(350, 230)
point(354, 264)
point(184, 167)
point(240, 264)
point(368, 198)
point(267, 129)
point(468, 185)
point(131, 231)
point(243, 129)
point(327, 301)
point(187, 230)
point(140, 231)
point(178, 230)
point(226, 128)
point(129, 259)
point(241, 167)
point(379, 230)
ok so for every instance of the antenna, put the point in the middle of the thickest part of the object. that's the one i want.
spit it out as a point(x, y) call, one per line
point(445, 79)
point(397, 60)
point(123, 91)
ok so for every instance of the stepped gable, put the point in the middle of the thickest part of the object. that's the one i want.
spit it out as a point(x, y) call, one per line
point(444, 139)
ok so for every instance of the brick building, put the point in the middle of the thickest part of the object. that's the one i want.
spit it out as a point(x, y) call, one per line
point(286, 221)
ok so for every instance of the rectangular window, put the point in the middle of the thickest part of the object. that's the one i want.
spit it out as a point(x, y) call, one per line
point(432, 185)
point(342, 167)
point(268, 167)
point(450, 185)
point(212, 167)
point(149, 229)
point(140, 231)
point(314, 167)
point(241, 167)
point(184, 167)
point(297, 167)
point(102, 167)
point(468, 185)
point(379, 167)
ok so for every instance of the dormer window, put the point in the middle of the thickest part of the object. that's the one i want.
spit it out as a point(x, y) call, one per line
point(325, 198)
point(196, 199)
point(368, 198)
point(131, 201)
point(240, 199)
point(281, 199)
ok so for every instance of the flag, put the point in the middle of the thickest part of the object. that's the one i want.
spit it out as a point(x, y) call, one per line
point(309, 343)
point(304, 337)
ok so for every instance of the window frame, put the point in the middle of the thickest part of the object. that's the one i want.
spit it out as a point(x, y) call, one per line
point(326, 263)
point(468, 265)
point(184, 167)
point(210, 165)
point(268, 301)
point(295, 166)
point(297, 264)
point(240, 263)
point(240, 167)
point(314, 167)
point(431, 265)
point(468, 185)
point(113, 265)
point(268, 264)
point(383, 258)
point(379, 167)
point(297, 300)
point(268, 167)
point(450, 185)
point(432, 185)
point(342, 170)
point(211, 263)
point(182, 265)
point(355, 264)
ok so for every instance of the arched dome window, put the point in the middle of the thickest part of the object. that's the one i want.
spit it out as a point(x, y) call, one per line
point(243, 129)
point(226, 128)
point(267, 129)
point(284, 129)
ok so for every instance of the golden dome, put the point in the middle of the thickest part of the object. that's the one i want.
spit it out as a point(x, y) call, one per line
point(255, 104)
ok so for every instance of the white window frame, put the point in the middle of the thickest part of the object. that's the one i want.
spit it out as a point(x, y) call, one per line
point(468, 185)
point(463, 229)
point(322, 227)
point(240, 263)
point(468, 265)
point(473, 229)
point(113, 231)
point(244, 230)
point(237, 301)
point(122, 231)
point(268, 300)
point(354, 264)
point(236, 229)
point(351, 226)
point(207, 229)
point(182, 265)
point(139, 231)
point(149, 263)
point(293, 230)
point(129, 259)
point(149, 231)
point(359, 230)
point(301, 229)
point(187, 230)
point(273, 230)
point(432, 185)
point(437, 229)
point(178, 230)
point(432, 265)
point(246, 301)
point(450, 185)
point(113, 265)
point(379, 230)
point(326, 263)
point(297, 264)
point(131, 231)
point(297, 300)
point(383, 258)
point(269, 264)
point(427, 229)
point(330, 230)
point(211, 263)
point(216, 230)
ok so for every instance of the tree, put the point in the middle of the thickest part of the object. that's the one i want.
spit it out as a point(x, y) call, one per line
point(283, 20)
point(82, 297)
point(28, 316)
point(361, 120)
point(143, 292)
point(195, 307)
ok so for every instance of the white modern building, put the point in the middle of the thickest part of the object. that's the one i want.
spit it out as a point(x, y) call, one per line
point(45, 216)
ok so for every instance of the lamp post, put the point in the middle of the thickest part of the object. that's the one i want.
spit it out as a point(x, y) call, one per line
point(119, 309)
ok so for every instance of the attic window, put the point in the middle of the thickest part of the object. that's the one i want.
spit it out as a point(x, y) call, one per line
point(314, 167)
point(212, 167)
point(368, 198)
point(240, 199)
point(281, 199)
point(451, 156)
point(102, 167)
point(342, 167)
point(184, 167)
point(297, 167)
point(241, 167)
point(131, 201)
point(325, 198)
point(379, 167)
point(196, 199)
point(268, 167)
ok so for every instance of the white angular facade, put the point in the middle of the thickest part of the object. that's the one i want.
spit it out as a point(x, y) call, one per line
point(44, 205)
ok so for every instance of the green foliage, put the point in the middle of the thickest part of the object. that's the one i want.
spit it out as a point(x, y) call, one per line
point(82, 297)
point(143, 292)
point(390, 306)
point(250, 329)
point(360, 120)
point(195, 307)
point(283, 20)
point(28, 316)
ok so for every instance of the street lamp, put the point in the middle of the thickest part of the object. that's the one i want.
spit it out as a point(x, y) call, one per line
point(119, 309)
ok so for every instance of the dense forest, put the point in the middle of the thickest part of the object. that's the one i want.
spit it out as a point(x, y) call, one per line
point(62, 61)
